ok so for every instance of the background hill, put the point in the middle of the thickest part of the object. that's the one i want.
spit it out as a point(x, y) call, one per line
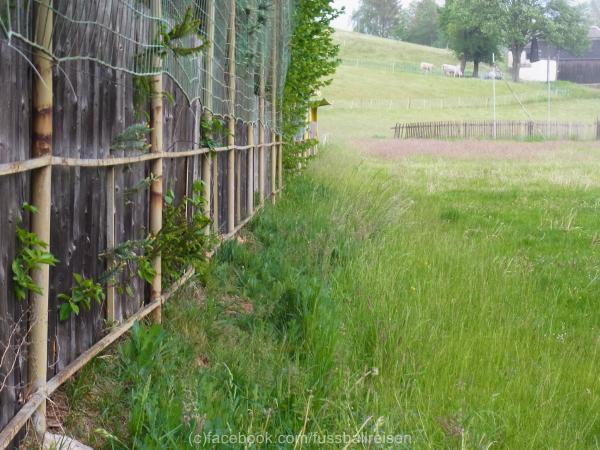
point(380, 80)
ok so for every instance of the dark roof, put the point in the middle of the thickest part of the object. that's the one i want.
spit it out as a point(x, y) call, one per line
point(593, 52)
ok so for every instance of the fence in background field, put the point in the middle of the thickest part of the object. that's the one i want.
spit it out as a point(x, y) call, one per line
point(450, 102)
point(405, 66)
point(503, 129)
point(72, 74)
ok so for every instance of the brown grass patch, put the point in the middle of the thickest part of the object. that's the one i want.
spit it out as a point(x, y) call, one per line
point(394, 149)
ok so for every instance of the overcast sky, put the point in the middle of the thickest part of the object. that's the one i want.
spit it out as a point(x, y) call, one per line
point(344, 22)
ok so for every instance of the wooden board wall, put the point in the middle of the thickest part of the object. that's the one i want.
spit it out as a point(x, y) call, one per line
point(15, 144)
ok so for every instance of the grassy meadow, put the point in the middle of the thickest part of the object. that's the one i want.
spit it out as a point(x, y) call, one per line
point(450, 300)
point(445, 294)
point(378, 83)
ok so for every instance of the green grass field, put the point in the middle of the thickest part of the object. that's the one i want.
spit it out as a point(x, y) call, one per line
point(443, 294)
point(448, 299)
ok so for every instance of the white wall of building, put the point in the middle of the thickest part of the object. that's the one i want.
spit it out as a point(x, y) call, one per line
point(538, 71)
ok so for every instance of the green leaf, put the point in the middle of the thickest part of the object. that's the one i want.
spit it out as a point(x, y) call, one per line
point(65, 311)
point(29, 208)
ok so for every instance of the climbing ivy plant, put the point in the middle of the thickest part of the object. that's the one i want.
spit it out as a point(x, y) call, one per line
point(32, 254)
point(182, 241)
point(83, 293)
point(209, 129)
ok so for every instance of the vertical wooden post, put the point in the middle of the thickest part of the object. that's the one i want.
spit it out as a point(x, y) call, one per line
point(306, 137)
point(111, 314)
point(280, 164)
point(274, 86)
point(261, 133)
point(280, 154)
point(41, 185)
point(231, 122)
point(208, 159)
point(156, 189)
point(238, 187)
point(215, 191)
point(250, 170)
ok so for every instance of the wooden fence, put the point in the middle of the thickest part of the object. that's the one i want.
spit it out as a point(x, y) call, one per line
point(56, 134)
point(503, 129)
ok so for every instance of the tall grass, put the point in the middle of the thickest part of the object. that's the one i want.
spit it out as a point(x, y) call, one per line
point(450, 300)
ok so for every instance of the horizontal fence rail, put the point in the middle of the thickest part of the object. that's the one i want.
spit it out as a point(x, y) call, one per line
point(502, 129)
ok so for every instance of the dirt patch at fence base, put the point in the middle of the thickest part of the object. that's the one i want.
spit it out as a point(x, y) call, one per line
point(468, 149)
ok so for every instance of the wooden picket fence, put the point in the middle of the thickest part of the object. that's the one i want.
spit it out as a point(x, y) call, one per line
point(502, 129)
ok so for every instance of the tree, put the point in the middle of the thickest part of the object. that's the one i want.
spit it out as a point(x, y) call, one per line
point(471, 31)
point(594, 9)
point(554, 21)
point(313, 60)
point(377, 17)
point(403, 22)
point(566, 26)
point(423, 23)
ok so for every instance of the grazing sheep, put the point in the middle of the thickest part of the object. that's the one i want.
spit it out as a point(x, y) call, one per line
point(426, 67)
point(451, 70)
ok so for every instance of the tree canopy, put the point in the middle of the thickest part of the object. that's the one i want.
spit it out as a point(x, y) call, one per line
point(377, 17)
point(594, 10)
point(554, 21)
point(419, 23)
point(472, 31)
point(423, 24)
point(313, 60)
point(476, 28)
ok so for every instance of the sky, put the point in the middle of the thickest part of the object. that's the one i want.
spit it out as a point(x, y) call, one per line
point(344, 22)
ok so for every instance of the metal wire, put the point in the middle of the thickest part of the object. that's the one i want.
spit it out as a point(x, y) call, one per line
point(124, 35)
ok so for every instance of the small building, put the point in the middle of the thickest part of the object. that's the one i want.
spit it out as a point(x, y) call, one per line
point(583, 69)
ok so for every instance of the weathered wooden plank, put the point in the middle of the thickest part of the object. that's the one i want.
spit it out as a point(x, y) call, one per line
point(15, 144)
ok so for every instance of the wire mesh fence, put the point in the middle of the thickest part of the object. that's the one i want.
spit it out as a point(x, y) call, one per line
point(132, 35)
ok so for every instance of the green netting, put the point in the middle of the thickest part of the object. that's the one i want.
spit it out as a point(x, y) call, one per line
point(123, 35)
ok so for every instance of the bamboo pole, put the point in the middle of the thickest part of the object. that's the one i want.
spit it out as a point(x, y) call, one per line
point(261, 133)
point(156, 189)
point(250, 170)
point(111, 315)
point(209, 159)
point(231, 122)
point(215, 192)
point(280, 164)
point(274, 87)
point(41, 185)
point(43, 161)
point(238, 187)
